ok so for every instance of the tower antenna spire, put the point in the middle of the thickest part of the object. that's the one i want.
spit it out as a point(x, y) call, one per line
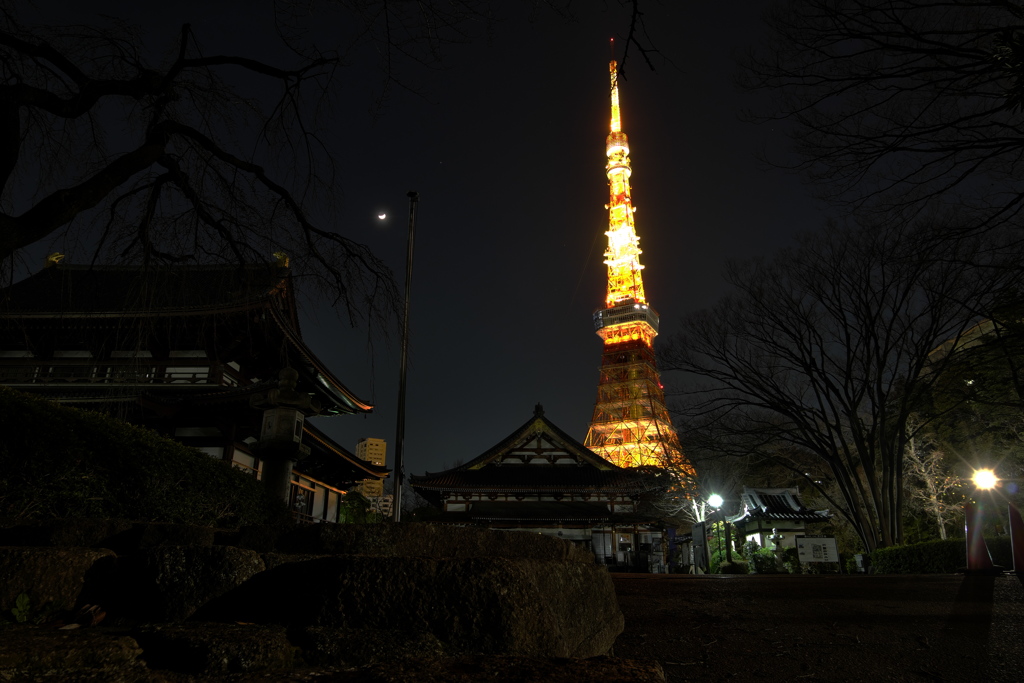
point(631, 426)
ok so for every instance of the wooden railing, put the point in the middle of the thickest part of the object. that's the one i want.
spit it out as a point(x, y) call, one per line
point(61, 373)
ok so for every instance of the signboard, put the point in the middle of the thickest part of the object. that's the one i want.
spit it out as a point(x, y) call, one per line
point(817, 549)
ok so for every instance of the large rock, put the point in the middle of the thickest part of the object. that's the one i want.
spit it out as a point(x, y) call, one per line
point(423, 540)
point(271, 560)
point(33, 654)
point(216, 649)
point(169, 583)
point(52, 578)
point(506, 606)
point(207, 652)
point(147, 535)
point(120, 535)
point(471, 669)
point(337, 647)
point(83, 532)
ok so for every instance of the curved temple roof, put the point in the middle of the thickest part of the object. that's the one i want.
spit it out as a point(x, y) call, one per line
point(94, 292)
point(536, 456)
point(776, 504)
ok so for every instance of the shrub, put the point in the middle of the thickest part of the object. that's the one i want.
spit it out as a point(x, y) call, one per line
point(935, 557)
point(65, 462)
point(763, 562)
point(716, 557)
point(760, 560)
point(930, 557)
point(735, 567)
point(355, 509)
point(791, 560)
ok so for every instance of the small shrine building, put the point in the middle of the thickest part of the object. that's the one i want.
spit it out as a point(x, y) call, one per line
point(770, 510)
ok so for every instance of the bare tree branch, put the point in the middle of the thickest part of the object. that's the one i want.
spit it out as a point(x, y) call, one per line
point(825, 350)
point(203, 157)
point(900, 106)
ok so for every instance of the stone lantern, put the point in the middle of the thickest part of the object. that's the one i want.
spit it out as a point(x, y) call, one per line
point(280, 446)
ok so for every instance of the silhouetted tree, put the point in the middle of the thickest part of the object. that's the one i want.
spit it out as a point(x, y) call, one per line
point(201, 156)
point(976, 408)
point(824, 351)
point(902, 104)
point(169, 161)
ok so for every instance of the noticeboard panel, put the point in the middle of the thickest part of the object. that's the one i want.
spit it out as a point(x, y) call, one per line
point(817, 549)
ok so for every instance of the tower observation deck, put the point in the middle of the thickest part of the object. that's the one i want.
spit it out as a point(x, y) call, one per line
point(630, 426)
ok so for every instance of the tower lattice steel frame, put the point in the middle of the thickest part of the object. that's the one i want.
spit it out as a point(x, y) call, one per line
point(631, 425)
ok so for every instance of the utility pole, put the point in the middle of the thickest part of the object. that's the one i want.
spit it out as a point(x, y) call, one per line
point(396, 510)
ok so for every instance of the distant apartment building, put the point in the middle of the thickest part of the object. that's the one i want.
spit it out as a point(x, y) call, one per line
point(373, 451)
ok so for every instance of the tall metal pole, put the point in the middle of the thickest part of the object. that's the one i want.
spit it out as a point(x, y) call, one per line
point(396, 510)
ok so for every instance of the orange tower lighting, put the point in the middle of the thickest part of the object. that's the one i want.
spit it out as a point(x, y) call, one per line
point(630, 425)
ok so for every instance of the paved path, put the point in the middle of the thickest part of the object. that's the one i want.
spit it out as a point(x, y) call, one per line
point(825, 627)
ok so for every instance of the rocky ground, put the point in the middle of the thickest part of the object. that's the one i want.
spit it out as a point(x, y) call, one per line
point(136, 602)
point(431, 604)
point(825, 627)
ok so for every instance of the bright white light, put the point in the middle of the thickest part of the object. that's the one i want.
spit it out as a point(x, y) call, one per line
point(985, 479)
point(382, 216)
point(715, 500)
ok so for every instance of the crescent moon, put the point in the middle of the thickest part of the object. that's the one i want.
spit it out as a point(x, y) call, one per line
point(382, 216)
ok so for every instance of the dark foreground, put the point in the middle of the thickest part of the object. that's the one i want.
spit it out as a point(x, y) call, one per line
point(825, 627)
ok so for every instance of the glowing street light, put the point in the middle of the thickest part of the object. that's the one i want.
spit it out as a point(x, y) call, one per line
point(979, 560)
point(715, 501)
point(985, 479)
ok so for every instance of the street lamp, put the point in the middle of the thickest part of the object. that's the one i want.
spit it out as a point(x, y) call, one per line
point(715, 501)
point(985, 479)
point(979, 561)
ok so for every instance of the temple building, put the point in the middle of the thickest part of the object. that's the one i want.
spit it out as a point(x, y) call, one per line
point(211, 356)
point(774, 511)
point(539, 479)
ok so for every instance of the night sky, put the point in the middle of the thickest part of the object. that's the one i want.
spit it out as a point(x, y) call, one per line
point(505, 146)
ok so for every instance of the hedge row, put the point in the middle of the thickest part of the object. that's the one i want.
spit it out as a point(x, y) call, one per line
point(63, 462)
point(936, 557)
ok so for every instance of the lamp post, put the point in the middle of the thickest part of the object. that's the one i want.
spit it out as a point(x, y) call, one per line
point(715, 501)
point(978, 558)
point(979, 561)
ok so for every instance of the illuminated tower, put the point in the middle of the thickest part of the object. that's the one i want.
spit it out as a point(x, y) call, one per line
point(630, 426)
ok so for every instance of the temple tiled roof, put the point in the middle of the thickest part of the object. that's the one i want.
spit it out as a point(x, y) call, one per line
point(336, 460)
point(773, 504)
point(539, 425)
point(68, 292)
point(538, 456)
point(71, 290)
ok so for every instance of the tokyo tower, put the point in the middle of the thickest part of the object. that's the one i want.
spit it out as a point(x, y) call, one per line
point(630, 426)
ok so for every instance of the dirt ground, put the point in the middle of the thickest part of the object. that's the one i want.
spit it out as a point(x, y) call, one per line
point(825, 627)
